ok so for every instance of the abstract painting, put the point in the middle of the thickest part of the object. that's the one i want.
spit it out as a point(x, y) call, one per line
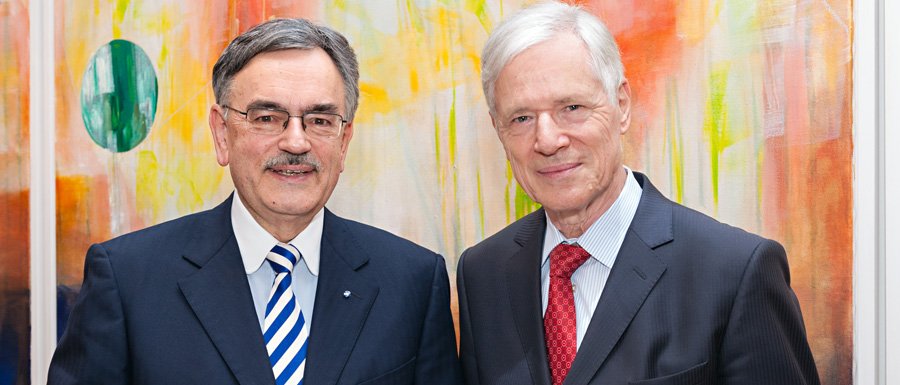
point(15, 324)
point(742, 110)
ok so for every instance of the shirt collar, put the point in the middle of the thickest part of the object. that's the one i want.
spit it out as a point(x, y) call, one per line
point(610, 227)
point(254, 242)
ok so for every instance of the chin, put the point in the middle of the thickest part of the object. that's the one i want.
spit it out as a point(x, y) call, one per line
point(564, 204)
point(295, 211)
point(291, 204)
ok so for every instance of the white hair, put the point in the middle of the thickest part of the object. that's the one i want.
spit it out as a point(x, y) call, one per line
point(542, 22)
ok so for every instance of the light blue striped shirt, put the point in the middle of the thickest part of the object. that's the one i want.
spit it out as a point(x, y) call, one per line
point(603, 241)
point(255, 243)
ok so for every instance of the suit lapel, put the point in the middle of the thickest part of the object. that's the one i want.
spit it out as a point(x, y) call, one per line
point(219, 295)
point(338, 320)
point(523, 283)
point(635, 273)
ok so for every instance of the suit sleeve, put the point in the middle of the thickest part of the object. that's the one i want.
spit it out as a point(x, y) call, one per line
point(466, 343)
point(93, 349)
point(436, 361)
point(765, 340)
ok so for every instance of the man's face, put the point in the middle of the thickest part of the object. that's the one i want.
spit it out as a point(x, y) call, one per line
point(282, 197)
point(559, 128)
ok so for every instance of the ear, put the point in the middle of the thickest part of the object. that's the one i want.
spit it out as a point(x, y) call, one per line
point(624, 99)
point(345, 142)
point(219, 133)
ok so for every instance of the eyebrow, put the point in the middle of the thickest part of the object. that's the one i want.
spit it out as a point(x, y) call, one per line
point(323, 107)
point(569, 100)
point(518, 111)
point(270, 105)
point(563, 101)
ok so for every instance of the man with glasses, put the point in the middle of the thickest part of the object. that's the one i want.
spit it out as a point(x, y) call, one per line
point(609, 282)
point(268, 287)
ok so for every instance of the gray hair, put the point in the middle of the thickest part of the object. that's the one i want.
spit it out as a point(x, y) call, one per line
point(281, 34)
point(542, 22)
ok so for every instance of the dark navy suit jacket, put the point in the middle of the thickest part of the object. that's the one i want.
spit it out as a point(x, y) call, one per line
point(171, 305)
point(689, 301)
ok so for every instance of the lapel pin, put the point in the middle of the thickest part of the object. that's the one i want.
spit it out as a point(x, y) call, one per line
point(347, 293)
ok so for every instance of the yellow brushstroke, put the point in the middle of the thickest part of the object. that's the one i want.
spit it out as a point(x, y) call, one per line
point(414, 19)
point(452, 139)
point(422, 62)
point(119, 17)
point(375, 97)
point(443, 20)
point(477, 7)
point(715, 124)
point(673, 136)
point(413, 81)
point(695, 18)
point(437, 151)
point(148, 182)
point(510, 192)
point(479, 195)
point(524, 204)
point(180, 184)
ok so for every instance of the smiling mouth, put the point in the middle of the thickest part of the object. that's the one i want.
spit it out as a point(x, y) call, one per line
point(287, 164)
point(558, 169)
point(291, 172)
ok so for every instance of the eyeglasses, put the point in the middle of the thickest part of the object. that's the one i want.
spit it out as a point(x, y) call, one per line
point(568, 117)
point(269, 121)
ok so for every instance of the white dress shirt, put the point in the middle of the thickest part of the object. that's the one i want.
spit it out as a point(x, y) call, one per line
point(602, 240)
point(255, 243)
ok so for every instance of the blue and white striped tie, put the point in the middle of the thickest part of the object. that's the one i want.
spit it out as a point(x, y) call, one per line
point(284, 328)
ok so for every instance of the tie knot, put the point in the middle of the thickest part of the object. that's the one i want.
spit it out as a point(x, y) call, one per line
point(565, 259)
point(283, 257)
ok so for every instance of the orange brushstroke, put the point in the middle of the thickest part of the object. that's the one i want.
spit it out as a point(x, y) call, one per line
point(15, 256)
point(646, 32)
point(807, 173)
point(246, 14)
point(82, 218)
point(14, 236)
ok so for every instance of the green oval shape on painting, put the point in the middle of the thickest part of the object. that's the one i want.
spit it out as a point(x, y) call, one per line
point(118, 96)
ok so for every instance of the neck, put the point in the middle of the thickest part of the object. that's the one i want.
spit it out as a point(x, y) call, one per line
point(574, 223)
point(286, 229)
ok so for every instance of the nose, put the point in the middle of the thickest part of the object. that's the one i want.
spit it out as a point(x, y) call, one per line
point(294, 138)
point(549, 136)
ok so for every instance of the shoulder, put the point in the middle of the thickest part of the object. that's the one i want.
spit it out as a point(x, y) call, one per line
point(169, 240)
point(176, 231)
point(379, 244)
point(169, 231)
point(703, 245)
point(510, 239)
point(692, 226)
point(659, 221)
point(693, 242)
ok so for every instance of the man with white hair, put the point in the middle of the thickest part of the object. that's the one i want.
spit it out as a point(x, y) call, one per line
point(609, 282)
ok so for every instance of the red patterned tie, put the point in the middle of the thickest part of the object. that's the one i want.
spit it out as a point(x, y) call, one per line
point(559, 319)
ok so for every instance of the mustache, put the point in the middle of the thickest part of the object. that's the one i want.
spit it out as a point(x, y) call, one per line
point(288, 159)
